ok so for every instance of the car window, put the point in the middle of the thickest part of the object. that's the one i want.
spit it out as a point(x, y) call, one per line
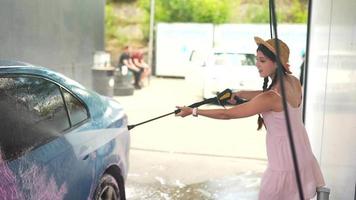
point(249, 59)
point(33, 113)
point(77, 111)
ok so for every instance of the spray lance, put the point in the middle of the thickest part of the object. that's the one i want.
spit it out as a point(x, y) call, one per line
point(221, 98)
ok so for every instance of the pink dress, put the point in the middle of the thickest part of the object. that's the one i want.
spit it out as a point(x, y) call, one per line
point(279, 181)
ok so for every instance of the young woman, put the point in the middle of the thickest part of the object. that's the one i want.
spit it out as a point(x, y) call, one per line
point(278, 181)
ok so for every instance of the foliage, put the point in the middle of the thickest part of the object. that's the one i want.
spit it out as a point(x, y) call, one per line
point(110, 22)
point(201, 11)
point(225, 11)
point(299, 12)
point(293, 12)
point(111, 26)
point(256, 13)
point(198, 11)
point(117, 1)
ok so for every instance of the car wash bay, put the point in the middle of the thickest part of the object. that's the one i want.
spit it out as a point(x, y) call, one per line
point(189, 158)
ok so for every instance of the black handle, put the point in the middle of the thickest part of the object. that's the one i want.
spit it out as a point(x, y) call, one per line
point(239, 100)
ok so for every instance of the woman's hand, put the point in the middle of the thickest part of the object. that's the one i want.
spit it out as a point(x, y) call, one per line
point(184, 111)
point(232, 99)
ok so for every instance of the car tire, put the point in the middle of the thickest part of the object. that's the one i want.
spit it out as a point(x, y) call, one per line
point(109, 189)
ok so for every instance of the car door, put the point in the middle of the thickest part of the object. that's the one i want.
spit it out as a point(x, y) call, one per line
point(36, 160)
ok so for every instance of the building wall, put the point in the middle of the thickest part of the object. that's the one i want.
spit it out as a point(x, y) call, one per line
point(62, 35)
point(331, 93)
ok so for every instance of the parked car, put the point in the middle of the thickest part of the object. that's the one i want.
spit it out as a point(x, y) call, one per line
point(58, 139)
point(230, 69)
point(213, 71)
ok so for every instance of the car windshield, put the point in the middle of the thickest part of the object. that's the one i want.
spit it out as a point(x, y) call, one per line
point(234, 59)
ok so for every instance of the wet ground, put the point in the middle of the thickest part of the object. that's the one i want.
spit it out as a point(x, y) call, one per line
point(192, 158)
point(176, 176)
point(240, 186)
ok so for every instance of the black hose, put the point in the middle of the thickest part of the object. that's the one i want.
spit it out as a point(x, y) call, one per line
point(285, 108)
point(306, 60)
point(270, 18)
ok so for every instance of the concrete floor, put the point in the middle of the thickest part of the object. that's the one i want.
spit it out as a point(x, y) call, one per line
point(164, 175)
point(189, 158)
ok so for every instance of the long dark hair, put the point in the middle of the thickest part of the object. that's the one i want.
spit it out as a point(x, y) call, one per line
point(269, 54)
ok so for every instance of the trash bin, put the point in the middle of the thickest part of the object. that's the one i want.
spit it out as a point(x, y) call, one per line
point(323, 193)
point(103, 80)
point(123, 86)
point(103, 74)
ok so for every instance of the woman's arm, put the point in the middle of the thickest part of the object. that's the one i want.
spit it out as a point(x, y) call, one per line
point(261, 103)
point(128, 62)
point(244, 95)
point(248, 95)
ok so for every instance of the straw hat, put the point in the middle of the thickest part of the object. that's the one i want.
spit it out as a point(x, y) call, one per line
point(283, 50)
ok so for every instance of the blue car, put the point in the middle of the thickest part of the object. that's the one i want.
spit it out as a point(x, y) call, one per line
point(59, 140)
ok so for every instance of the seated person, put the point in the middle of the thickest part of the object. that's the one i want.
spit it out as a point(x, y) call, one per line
point(125, 61)
point(138, 61)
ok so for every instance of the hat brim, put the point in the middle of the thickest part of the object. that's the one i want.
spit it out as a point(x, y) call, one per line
point(259, 41)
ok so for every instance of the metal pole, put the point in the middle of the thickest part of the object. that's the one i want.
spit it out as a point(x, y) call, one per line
point(306, 60)
point(150, 42)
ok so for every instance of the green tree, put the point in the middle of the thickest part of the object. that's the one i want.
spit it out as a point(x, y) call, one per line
point(298, 12)
point(226, 11)
point(256, 13)
point(199, 11)
point(203, 11)
point(292, 11)
point(110, 22)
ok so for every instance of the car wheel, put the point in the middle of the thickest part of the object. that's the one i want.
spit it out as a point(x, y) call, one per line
point(109, 189)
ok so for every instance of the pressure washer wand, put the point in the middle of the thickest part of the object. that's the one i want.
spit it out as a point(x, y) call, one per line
point(223, 96)
point(134, 125)
point(194, 105)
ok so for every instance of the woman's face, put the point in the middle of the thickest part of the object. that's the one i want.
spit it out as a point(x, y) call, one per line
point(266, 67)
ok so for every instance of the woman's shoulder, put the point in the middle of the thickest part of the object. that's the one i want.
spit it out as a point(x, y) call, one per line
point(270, 95)
point(294, 80)
point(274, 98)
